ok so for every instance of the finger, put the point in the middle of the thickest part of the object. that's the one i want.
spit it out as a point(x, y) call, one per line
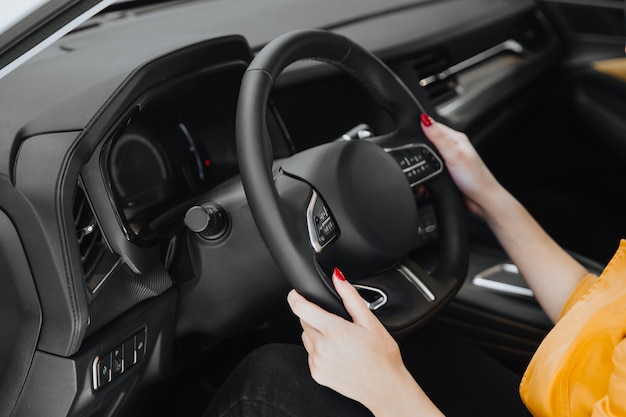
point(355, 305)
point(436, 133)
point(312, 314)
point(454, 147)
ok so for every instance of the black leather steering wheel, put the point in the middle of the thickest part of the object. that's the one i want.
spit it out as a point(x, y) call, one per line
point(349, 203)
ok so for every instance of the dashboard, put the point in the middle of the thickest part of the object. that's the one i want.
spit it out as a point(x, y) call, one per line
point(145, 126)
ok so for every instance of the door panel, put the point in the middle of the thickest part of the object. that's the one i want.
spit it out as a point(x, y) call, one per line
point(592, 99)
point(600, 101)
point(590, 29)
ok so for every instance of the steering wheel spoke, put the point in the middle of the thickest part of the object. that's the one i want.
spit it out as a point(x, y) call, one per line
point(419, 162)
point(417, 157)
point(321, 224)
point(308, 219)
point(411, 295)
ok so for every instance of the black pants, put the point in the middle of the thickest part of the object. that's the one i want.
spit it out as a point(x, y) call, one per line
point(460, 379)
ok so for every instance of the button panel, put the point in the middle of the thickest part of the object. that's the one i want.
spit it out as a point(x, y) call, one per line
point(111, 365)
point(103, 370)
point(322, 226)
point(418, 162)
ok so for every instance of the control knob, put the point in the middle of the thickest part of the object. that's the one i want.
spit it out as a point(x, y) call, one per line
point(209, 221)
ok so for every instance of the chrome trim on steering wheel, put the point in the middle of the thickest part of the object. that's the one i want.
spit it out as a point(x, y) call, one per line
point(310, 223)
point(408, 274)
point(314, 238)
point(379, 302)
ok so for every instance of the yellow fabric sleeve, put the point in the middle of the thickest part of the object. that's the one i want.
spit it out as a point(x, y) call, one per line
point(579, 370)
point(613, 404)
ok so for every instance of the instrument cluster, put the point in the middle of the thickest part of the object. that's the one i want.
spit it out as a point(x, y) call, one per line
point(180, 144)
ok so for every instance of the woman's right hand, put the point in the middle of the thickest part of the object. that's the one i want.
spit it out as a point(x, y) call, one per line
point(464, 164)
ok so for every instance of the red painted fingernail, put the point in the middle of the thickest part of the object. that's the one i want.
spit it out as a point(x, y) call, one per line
point(426, 120)
point(339, 274)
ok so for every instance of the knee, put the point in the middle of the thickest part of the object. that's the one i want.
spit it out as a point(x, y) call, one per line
point(259, 382)
point(275, 362)
point(274, 380)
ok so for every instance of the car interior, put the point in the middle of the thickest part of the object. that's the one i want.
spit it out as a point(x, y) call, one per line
point(171, 169)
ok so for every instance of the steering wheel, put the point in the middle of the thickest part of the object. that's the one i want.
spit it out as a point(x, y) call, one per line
point(350, 204)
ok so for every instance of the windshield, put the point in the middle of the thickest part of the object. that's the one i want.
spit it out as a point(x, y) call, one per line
point(29, 26)
point(15, 11)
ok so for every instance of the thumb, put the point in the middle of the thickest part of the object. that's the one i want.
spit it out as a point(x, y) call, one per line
point(352, 300)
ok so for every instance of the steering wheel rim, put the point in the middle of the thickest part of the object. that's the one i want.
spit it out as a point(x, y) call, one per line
point(298, 261)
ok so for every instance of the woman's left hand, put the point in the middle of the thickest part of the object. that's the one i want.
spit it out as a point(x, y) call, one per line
point(358, 359)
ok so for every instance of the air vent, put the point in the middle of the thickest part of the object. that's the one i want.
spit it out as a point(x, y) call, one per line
point(432, 72)
point(95, 257)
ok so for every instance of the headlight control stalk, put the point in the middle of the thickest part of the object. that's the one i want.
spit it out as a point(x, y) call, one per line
point(210, 221)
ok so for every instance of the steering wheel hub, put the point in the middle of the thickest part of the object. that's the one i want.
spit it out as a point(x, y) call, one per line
point(370, 202)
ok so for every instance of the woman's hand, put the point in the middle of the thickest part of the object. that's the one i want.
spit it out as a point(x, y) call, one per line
point(549, 270)
point(358, 359)
point(464, 164)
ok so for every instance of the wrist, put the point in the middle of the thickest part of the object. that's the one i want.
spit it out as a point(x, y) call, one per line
point(492, 199)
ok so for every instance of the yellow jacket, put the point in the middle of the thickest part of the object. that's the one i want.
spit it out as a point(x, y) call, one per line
point(580, 367)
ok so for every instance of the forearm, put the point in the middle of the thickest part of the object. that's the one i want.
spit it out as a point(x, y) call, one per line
point(403, 398)
point(550, 271)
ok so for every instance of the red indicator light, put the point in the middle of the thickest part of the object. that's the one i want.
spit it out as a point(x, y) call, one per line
point(207, 162)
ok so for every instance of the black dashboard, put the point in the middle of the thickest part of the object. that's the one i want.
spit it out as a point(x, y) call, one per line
point(148, 123)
